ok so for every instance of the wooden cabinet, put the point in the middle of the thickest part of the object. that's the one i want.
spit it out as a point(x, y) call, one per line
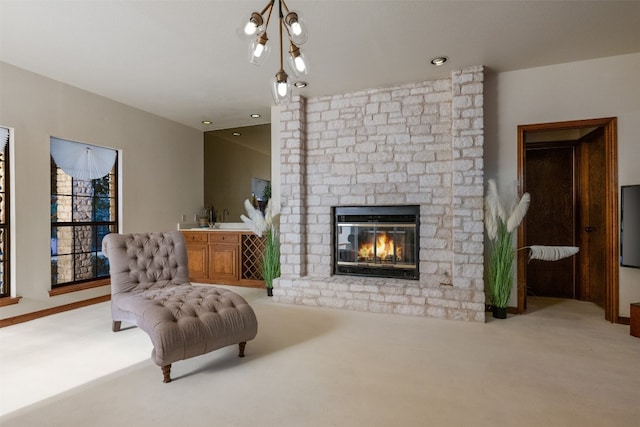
point(225, 257)
point(634, 324)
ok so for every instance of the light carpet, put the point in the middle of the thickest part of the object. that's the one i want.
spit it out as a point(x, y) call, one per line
point(561, 364)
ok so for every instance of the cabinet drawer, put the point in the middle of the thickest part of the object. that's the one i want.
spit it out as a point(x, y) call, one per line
point(195, 236)
point(222, 237)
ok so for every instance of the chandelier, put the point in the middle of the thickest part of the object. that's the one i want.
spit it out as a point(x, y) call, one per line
point(255, 29)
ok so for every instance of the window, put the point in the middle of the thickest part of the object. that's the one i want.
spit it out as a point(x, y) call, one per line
point(83, 210)
point(5, 284)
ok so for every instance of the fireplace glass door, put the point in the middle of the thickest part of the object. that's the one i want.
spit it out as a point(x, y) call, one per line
point(382, 245)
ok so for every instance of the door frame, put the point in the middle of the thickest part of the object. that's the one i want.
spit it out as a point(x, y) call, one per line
point(612, 238)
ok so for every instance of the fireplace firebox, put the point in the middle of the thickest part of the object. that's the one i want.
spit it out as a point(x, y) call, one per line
point(376, 241)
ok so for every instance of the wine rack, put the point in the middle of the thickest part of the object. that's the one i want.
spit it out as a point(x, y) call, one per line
point(252, 251)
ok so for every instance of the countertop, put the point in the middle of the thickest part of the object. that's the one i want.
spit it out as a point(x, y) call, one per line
point(223, 226)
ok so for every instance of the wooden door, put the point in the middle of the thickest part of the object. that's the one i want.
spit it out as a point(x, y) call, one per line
point(597, 228)
point(591, 228)
point(550, 180)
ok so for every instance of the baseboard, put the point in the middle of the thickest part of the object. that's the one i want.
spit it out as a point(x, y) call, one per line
point(53, 310)
point(623, 320)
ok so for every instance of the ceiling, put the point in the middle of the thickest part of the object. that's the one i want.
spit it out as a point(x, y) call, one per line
point(183, 61)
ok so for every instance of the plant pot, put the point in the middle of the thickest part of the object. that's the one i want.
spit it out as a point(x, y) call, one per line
point(499, 312)
point(269, 292)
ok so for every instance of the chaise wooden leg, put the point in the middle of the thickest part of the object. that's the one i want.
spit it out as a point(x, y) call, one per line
point(115, 327)
point(166, 373)
point(242, 345)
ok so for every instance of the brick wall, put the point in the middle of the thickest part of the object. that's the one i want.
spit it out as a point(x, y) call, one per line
point(419, 143)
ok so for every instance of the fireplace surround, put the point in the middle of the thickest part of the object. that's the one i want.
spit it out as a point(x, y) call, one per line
point(415, 144)
point(376, 241)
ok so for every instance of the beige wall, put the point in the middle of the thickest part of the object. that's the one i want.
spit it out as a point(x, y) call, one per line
point(153, 147)
point(162, 169)
point(228, 170)
point(606, 87)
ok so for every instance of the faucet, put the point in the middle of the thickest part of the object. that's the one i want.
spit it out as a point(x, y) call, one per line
point(225, 212)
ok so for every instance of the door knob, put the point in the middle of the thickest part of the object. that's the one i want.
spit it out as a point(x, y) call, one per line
point(588, 229)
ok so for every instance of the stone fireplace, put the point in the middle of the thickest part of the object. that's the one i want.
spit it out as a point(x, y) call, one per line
point(418, 144)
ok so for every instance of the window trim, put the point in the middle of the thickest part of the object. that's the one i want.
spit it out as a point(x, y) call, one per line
point(7, 276)
point(82, 284)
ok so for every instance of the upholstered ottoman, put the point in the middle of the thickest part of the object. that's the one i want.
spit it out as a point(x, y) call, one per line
point(150, 288)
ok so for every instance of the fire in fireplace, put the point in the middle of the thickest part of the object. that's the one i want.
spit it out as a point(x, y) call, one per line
point(378, 241)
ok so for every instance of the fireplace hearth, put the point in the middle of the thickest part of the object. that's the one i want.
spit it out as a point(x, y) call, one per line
point(376, 241)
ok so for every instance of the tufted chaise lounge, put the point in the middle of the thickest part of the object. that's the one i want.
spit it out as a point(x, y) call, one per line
point(150, 288)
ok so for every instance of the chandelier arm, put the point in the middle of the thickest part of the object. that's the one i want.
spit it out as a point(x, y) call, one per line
point(286, 8)
point(281, 17)
point(270, 7)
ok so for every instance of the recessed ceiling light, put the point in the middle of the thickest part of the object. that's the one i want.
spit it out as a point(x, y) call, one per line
point(439, 60)
point(255, 116)
point(236, 134)
point(206, 122)
point(300, 85)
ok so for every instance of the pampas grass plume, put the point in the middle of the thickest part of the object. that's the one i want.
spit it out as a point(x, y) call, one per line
point(518, 213)
point(551, 253)
point(255, 220)
point(493, 210)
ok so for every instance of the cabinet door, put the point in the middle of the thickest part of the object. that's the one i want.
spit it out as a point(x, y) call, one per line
point(223, 262)
point(196, 243)
point(197, 255)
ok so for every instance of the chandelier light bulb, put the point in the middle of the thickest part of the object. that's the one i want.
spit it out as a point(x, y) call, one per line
point(282, 85)
point(258, 49)
point(297, 61)
point(296, 27)
point(250, 29)
point(257, 52)
point(253, 25)
point(282, 89)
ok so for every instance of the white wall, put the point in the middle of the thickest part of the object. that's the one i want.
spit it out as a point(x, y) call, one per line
point(607, 87)
point(162, 168)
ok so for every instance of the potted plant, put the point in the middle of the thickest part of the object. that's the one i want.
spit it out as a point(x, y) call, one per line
point(271, 259)
point(500, 227)
point(265, 225)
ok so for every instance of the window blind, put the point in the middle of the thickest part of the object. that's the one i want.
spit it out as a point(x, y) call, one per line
point(82, 161)
point(4, 138)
